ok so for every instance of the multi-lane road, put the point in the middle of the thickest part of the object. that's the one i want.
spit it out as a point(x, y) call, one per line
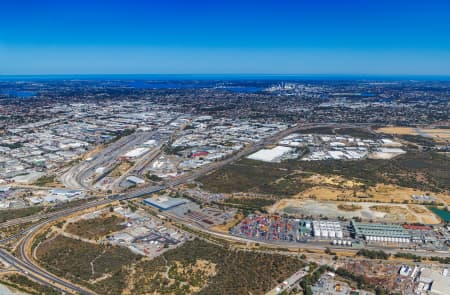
point(81, 172)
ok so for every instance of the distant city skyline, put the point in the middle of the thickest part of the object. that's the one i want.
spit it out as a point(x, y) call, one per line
point(233, 37)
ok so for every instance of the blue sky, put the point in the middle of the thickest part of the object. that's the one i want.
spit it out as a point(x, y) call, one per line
point(256, 37)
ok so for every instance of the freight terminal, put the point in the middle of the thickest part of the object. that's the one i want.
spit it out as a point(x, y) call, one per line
point(381, 232)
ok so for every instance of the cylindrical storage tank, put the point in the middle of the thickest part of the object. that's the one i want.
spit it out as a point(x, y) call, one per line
point(339, 242)
point(325, 233)
point(334, 242)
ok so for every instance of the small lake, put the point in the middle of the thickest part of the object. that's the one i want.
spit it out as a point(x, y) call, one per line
point(443, 214)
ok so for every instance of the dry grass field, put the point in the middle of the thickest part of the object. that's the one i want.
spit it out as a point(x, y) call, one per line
point(121, 169)
point(377, 212)
point(378, 193)
point(437, 134)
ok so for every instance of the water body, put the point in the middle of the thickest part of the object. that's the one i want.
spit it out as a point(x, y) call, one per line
point(20, 94)
point(244, 89)
point(443, 214)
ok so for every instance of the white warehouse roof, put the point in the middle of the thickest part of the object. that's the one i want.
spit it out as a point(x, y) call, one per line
point(270, 155)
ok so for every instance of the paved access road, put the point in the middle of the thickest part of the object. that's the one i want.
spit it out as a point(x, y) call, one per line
point(27, 266)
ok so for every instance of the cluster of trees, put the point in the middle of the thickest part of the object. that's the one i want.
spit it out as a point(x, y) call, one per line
point(9, 214)
point(12, 146)
point(96, 227)
point(249, 205)
point(237, 272)
point(311, 279)
point(408, 256)
point(23, 283)
point(71, 259)
point(360, 280)
point(44, 180)
point(373, 254)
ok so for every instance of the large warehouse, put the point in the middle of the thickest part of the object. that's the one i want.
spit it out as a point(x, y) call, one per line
point(378, 232)
point(327, 229)
point(164, 203)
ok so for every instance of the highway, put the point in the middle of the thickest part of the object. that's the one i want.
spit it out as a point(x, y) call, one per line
point(10, 259)
point(27, 266)
point(61, 213)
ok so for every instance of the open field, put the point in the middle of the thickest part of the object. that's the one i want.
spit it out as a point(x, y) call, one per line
point(96, 227)
point(248, 203)
point(224, 228)
point(196, 267)
point(8, 214)
point(93, 151)
point(22, 283)
point(237, 272)
point(98, 267)
point(120, 169)
point(382, 212)
point(425, 171)
point(377, 193)
point(257, 177)
point(355, 132)
point(440, 135)
point(333, 180)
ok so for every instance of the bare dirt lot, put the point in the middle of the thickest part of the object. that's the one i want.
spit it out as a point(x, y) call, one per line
point(437, 134)
point(381, 212)
point(377, 193)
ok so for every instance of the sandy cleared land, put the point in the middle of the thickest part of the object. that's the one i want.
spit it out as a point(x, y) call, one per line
point(378, 212)
point(121, 169)
point(378, 193)
point(437, 134)
point(224, 228)
point(93, 152)
point(333, 180)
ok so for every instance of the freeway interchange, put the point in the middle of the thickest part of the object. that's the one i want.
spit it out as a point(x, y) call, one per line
point(76, 177)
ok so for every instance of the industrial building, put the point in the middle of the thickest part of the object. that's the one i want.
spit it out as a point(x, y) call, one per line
point(327, 229)
point(378, 232)
point(135, 153)
point(271, 155)
point(135, 180)
point(433, 282)
point(164, 202)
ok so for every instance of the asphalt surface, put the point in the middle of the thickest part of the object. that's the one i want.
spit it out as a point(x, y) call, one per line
point(27, 266)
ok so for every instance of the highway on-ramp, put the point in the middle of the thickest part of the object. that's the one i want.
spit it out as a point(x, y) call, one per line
point(28, 266)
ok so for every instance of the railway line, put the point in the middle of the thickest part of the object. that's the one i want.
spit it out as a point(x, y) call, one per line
point(27, 266)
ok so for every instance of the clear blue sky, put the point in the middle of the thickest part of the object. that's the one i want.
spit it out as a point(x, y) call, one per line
point(232, 36)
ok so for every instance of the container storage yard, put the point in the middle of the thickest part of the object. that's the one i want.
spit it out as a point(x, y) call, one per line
point(276, 228)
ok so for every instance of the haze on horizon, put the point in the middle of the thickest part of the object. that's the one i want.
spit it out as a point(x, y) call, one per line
point(240, 37)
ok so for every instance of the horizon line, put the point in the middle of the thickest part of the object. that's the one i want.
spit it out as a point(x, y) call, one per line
point(231, 75)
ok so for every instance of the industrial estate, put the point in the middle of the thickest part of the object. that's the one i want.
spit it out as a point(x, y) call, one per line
point(131, 186)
